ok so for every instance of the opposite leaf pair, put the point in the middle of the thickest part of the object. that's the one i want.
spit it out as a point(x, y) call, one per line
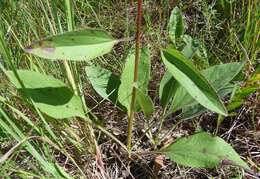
point(118, 89)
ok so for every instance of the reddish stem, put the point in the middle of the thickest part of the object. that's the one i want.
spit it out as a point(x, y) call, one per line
point(137, 59)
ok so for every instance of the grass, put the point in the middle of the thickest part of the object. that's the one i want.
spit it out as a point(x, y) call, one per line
point(63, 149)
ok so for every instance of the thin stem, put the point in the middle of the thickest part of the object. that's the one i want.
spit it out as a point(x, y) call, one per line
point(137, 58)
point(219, 121)
point(111, 136)
point(150, 126)
point(70, 76)
point(172, 128)
point(162, 118)
point(65, 62)
point(70, 17)
point(131, 3)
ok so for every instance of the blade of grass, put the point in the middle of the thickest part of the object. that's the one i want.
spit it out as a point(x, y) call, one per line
point(17, 134)
point(8, 59)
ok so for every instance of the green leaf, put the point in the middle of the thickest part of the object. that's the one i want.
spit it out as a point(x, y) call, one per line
point(176, 24)
point(145, 102)
point(77, 45)
point(182, 99)
point(127, 77)
point(192, 80)
point(2, 99)
point(196, 110)
point(104, 82)
point(252, 85)
point(191, 46)
point(168, 87)
point(240, 97)
point(191, 112)
point(218, 76)
point(202, 151)
point(50, 95)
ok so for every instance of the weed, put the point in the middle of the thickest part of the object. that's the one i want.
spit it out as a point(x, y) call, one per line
point(46, 101)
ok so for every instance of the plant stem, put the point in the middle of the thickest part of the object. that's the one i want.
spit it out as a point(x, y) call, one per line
point(131, 3)
point(137, 58)
point(65, 62)
point(71, 27)
point(111, 136)
point(69, 12)
point(219, 121)
point(172, 128)
point(70, 76)
point(162, 118)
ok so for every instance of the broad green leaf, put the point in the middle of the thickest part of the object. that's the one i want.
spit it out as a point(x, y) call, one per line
point(50, 95)
point(229, 88)
point(191, 112)
point(182, 99)
point(77, 45)
point(145, 102)
point(202, 151)
point(218, 76)
point(127, 77)
point(104, 82)
point(167, 89)
point(196, 110)
point(169, 85)
point(176, 24)
point(192, 80)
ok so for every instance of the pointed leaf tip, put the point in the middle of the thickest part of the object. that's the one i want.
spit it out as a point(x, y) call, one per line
point(78, 45)
point(202, 150)
point(192, 80)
